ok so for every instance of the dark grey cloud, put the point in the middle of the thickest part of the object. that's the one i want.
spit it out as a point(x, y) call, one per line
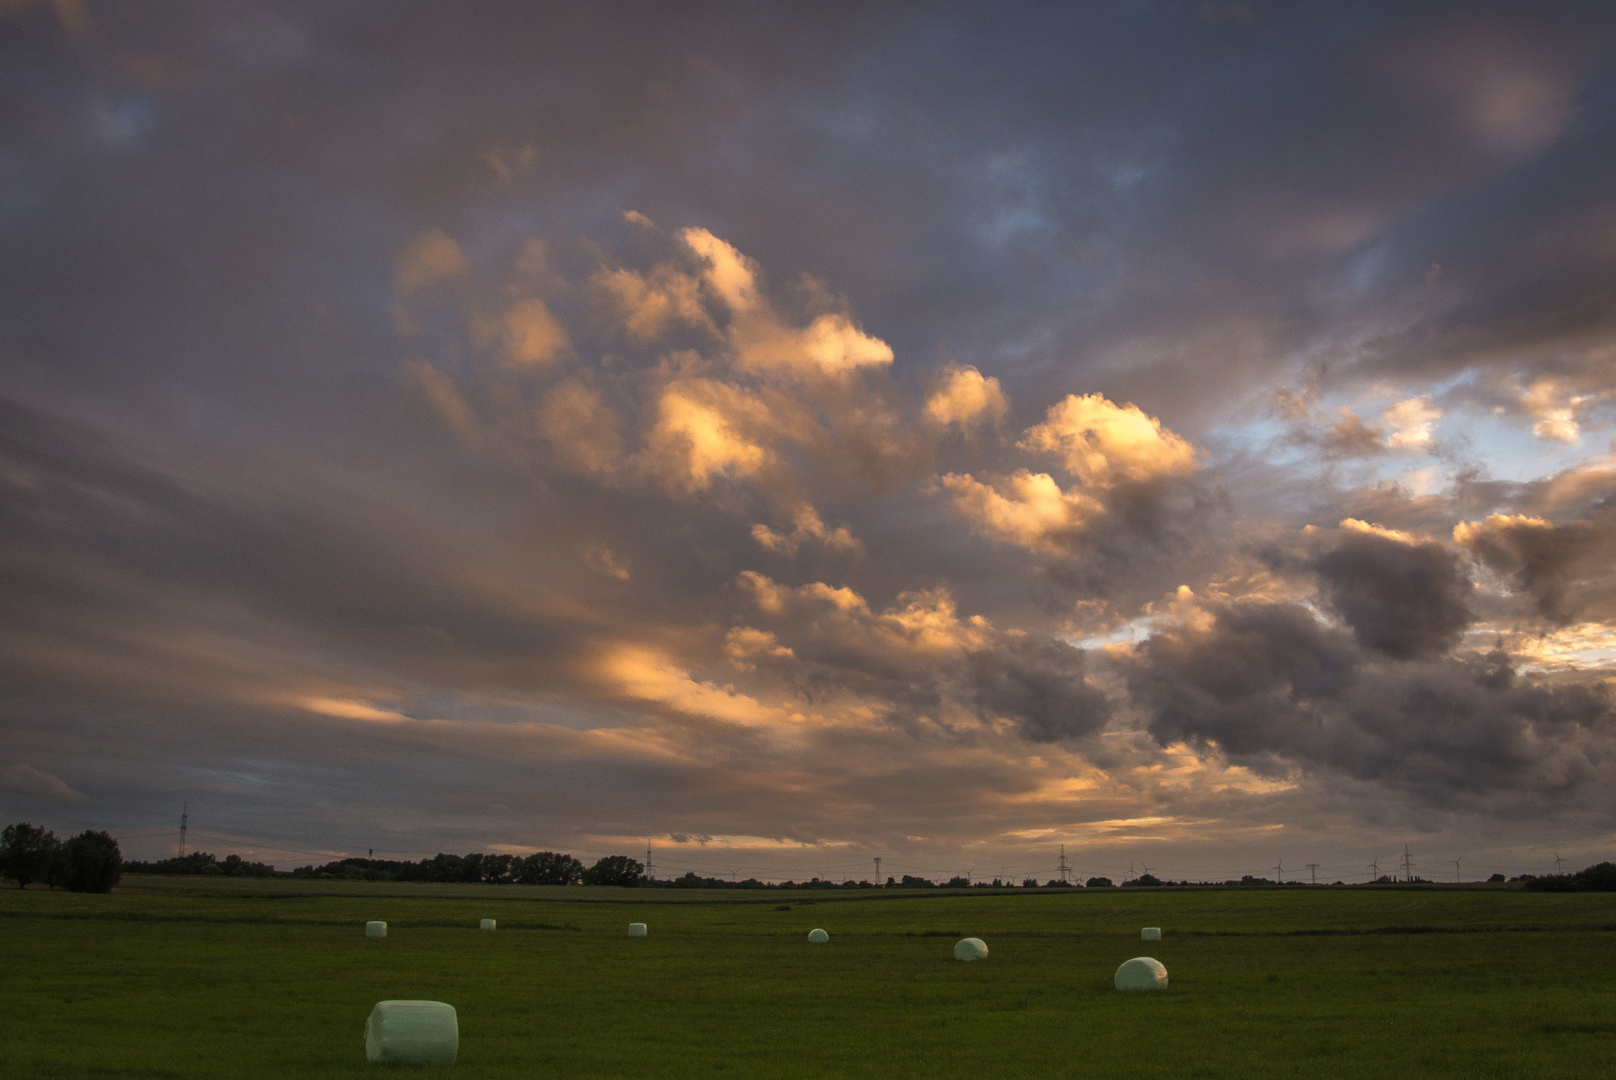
point(1540, 558)
point(1402, 599)
point(1267, 684)
point(1042, 684)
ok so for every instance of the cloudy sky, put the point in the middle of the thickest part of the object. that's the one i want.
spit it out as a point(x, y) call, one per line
point(789, 435)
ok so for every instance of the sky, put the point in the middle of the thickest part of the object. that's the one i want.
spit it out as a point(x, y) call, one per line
point(784, 436)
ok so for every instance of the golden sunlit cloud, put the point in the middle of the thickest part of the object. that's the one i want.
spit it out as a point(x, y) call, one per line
point(350, 710)
point(966, 397)
point(1105, 444)
point(533, 334)
point(1025, 508)
point(431, 256)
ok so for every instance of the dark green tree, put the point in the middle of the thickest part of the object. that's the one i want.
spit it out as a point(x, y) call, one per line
point(61, 867)
point(26, 852)
point(550, 868)
point(94, 862)
point(615, 870)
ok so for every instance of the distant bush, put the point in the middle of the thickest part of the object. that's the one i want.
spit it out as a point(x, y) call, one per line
point(1495, 879)
point(1601, 877)
point(1144, 879)
point(910, 882)
point(201, 862)
point(1098, 883)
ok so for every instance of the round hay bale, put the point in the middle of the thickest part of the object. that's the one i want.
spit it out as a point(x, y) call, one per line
point(1142, 973)
point(970, 948)
point(375, 928)
point(1150, 933)
point(818, 937)
point(412, 1033)
point(486, 924)
point(636, 929)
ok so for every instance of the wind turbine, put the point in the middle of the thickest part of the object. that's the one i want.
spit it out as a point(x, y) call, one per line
point(1456, 863)
point(1557, 862)
point(1374, 868)
point(1280, 870)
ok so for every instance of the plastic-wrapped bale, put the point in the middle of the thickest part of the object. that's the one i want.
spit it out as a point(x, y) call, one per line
point(636, 929)
point(412, 1033)
point(970, 948)
point(818, 937)
point(486, 924)
point(375, 928)
point(1150, 933)
point(1142, 973)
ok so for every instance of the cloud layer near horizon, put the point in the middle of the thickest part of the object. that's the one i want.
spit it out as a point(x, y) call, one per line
point(1180, 433)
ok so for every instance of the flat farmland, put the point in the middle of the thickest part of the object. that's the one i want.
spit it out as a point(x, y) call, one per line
point(225, 979)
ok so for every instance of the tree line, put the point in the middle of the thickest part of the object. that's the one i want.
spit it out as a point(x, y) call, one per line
point(1600, 877)
point(88, 862)
point(542, 868)
point(556, 868)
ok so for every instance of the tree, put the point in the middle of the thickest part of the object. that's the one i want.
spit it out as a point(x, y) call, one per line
point(26, 852)
point(1098, 883)
point(615, 870)
point(94, 862)
point(61, 866)
point(550, 868)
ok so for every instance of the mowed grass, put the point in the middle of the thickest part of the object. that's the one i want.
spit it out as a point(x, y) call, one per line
point(1331, 983)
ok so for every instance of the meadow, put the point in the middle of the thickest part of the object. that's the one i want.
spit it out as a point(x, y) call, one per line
point(180, 978)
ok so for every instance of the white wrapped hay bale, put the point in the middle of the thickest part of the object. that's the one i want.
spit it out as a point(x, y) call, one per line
point(818, 937)
point(970, 948)
point(412, 1033)
point(636, 929)
point(1150, 933)
point(486, 924)
point(1142, 973)
point(375, 928)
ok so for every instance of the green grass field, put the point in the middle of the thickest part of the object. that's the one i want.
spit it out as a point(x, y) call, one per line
point(164, 980)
